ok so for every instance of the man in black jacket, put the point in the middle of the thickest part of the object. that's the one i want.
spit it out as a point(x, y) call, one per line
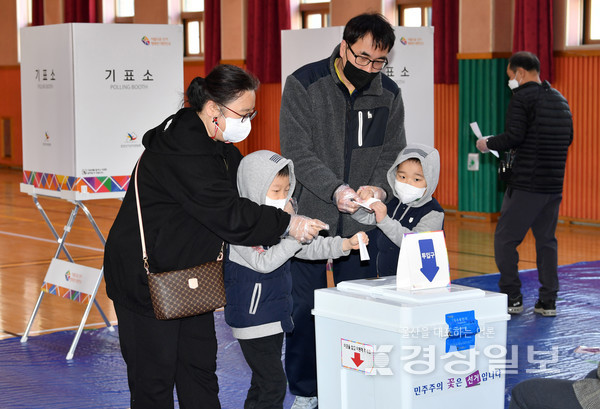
point(538, 130)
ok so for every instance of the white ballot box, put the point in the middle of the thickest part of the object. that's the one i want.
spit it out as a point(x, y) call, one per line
point(380, 347)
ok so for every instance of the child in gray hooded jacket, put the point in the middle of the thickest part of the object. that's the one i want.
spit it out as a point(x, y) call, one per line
point(258, 280)
point(413, 178)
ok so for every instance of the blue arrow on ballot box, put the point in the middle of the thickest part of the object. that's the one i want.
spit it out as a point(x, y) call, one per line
point(430, 268)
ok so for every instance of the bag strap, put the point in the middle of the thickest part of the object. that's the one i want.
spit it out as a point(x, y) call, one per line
point(139, 213)
point(141, 224)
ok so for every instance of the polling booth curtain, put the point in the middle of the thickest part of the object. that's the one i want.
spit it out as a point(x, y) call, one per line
point(80, 11)
point(533, 32)
point(266, 19)
point(37, 12)
point(212, 34)
point(445, 39)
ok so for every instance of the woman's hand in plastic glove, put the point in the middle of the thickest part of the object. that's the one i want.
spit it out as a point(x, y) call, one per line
point(352, 242)
point(344, 198)
point(304, 229)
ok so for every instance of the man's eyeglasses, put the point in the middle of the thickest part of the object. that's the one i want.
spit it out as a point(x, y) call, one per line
point(364, 61)
point(249, 116)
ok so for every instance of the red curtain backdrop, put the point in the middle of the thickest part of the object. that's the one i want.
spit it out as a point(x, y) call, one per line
point(444, 19)
point(37, 12)
point(266, 19)
point(533, 32)
point(212, 34)
point(80, 11)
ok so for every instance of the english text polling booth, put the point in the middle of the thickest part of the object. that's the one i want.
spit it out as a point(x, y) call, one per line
point(410, 66)
point(89, 92)
point(413, 341)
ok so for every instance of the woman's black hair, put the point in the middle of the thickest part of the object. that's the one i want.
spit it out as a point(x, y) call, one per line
point(222, 85)
point(370, 23)
point(524, 59)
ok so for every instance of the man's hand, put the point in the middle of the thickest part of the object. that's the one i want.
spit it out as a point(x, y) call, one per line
point(367, 192)
point(482, 144)
point(344, 198)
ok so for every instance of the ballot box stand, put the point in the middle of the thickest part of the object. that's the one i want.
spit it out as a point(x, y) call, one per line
point(81, 286)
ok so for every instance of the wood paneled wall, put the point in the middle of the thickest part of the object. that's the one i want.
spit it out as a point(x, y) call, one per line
point(446, 142)
point(578, 79)
point(10, 110)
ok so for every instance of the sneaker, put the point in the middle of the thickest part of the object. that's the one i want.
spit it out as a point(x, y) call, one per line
point(305, 402)
point(515, 304)
point(545, 308)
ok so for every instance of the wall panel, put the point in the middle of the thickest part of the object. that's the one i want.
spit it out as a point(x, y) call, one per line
point(265, 126)
point(483, 97)
point(10, 108)
point(446, 142)
point(578, 79)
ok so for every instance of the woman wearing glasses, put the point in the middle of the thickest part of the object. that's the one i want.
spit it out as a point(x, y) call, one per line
point(190, 206)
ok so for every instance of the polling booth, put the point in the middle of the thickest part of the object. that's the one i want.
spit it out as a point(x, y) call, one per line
point(411, 341)
point(410, 66)
point(89, 92)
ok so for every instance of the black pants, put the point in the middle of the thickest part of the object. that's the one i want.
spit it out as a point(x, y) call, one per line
point(300, 348)
point(268, 384)
point(546, 394)
point(521, 211)
point(163, 354)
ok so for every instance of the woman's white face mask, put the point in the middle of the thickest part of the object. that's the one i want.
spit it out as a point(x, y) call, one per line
point(235, 130)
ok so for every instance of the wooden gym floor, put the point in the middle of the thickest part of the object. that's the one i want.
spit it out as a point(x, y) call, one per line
point(27, 246)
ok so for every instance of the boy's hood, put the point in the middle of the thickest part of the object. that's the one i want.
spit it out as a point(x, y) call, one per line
point(257, 171)
point(430, 161)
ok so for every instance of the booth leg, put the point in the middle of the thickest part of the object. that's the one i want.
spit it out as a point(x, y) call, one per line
point(106, 321)
point(92, 221)
point(52, 229)
point(103, 240)
point(33, 314)
point(85, 317)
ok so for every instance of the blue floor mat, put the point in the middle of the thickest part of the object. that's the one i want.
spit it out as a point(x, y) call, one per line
point(36, 375)
point(545, 346)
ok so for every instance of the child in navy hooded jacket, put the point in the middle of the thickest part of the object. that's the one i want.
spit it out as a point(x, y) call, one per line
point(258, 281)
point(413, 178)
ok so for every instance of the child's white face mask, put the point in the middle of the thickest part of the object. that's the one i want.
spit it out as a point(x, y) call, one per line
point(280, 204)
point(408, 193)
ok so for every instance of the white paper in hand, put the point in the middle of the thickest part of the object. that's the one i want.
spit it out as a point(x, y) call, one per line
point(367, 203)
point(477, 132)
point(362, 247)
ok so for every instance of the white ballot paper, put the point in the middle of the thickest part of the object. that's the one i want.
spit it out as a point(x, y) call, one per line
point(367, 203)
point(478, 134)
point(362, 247)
